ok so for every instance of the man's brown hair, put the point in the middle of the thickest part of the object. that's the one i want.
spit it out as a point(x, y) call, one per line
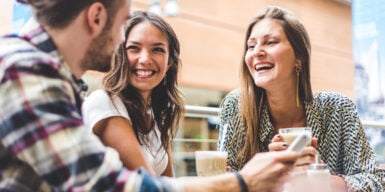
point(60, 13)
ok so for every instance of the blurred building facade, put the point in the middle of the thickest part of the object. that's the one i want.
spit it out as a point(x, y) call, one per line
point(212, 36)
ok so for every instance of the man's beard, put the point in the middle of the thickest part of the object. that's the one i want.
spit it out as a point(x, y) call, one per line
point(97, 56)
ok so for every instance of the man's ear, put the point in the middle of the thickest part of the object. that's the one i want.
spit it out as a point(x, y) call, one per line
point(96, 18)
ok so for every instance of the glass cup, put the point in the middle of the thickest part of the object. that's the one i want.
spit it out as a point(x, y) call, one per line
point(289, 134)
point(209, 163)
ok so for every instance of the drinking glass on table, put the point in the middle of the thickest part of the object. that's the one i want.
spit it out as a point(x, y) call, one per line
point(316, 179)
point(289, 134)
point(298, 181)
point(209, 163)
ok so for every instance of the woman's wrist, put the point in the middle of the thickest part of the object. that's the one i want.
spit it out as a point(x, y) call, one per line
point(241, 182)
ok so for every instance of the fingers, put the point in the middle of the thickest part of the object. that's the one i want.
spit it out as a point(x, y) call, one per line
point(307, 156)
point(309, 151)
point(277, 138)
point(280, 170)
point(314, 142)
point(268, 168)
point(286, 157)
point(305, 160)
point(277, 146)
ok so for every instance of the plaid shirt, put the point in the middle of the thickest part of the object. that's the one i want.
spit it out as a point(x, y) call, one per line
point(44, 144)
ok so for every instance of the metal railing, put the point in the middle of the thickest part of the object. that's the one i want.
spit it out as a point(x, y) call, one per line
point(373, 124)
point(213, 112)
point(207, 112)
point(204, 112)
point(199, 112)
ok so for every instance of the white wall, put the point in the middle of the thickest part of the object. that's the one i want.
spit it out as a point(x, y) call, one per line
point(6, 16)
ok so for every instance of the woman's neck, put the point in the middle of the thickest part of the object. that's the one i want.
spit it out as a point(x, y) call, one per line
point(285, 112)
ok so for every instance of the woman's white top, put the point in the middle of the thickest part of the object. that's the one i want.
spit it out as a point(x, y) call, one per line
point(98, 106)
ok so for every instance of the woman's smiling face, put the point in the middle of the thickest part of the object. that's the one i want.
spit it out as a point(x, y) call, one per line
point(147, 49)
point(270, 57)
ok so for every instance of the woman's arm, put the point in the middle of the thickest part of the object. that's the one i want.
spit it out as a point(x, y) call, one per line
point(117, 132)
point(231, 133)
point(345, 147)
point(359, 166)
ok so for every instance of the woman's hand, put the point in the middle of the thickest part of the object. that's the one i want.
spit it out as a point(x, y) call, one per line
point(277, 144)
point(306, 157)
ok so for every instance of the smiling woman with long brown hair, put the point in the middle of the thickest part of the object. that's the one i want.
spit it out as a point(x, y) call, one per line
point(138, 111)
point(276, 93)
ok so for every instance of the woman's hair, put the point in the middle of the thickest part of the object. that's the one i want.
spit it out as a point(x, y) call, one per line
point(253, 98)
point(166, 99)
point(60, 13)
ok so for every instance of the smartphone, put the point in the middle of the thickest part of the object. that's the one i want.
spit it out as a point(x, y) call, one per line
point(300, 142)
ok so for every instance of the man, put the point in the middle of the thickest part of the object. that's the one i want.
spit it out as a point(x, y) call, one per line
point(44, 145)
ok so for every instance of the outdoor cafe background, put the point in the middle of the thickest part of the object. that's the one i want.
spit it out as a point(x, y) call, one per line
point(369, 55)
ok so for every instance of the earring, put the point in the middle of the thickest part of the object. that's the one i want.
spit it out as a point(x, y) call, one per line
point(165, 81)
point(297, 70)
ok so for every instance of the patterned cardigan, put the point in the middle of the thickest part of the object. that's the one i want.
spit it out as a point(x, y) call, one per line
point(334, 121)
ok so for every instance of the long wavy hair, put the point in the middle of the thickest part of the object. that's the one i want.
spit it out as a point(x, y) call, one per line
point(253, 98)
point(166, 99)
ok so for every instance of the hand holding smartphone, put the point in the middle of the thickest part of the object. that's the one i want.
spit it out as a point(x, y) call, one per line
point(300, 142)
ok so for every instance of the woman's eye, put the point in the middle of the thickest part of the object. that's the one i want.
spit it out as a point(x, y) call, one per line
point(159, 49)
point(271, 42)
point(250, 46)
point(131, 47)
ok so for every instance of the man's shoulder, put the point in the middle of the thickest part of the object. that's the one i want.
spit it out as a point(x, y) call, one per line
point(16, 52)
point(15, 48)
point(12, 44)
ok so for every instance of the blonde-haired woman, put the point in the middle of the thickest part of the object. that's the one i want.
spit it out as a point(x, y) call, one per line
point(276, 93)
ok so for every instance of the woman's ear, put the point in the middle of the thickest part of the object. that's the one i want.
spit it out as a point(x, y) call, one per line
point(96, 18)
point(298, 64)
point(169, 64)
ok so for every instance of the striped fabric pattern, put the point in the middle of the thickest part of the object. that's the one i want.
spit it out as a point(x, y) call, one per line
point(44, 144)
point(334, 121)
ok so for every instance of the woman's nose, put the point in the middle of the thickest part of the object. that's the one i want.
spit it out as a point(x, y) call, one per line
point(259, 52)
point(145, 57)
